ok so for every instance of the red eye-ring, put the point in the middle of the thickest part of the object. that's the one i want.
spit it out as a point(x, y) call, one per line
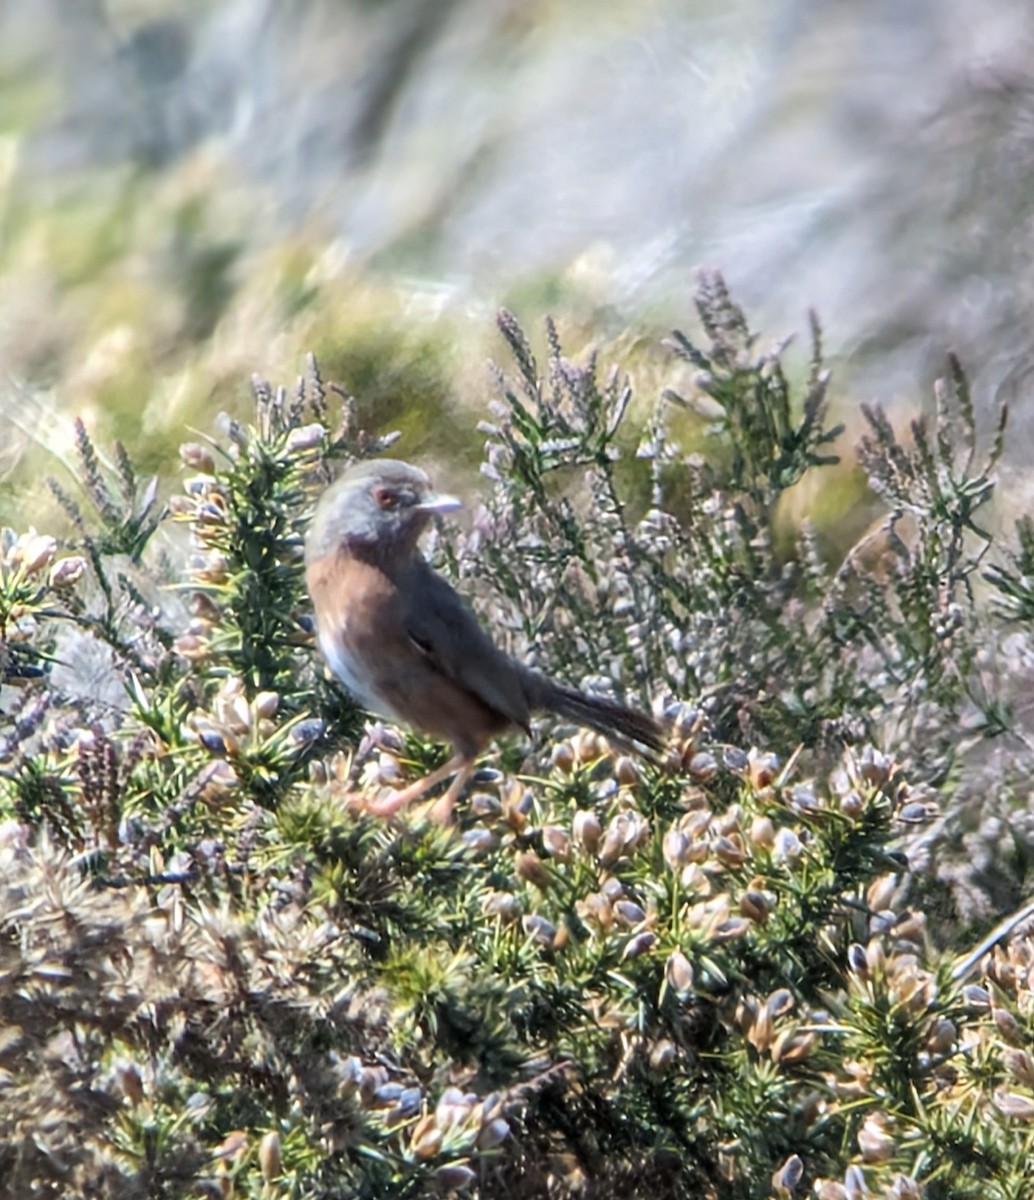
point(385, 498)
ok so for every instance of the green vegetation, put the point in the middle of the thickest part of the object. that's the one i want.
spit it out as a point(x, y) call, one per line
point(737, 973)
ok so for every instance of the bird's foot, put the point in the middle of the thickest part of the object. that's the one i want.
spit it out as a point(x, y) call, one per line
point(440, 810)
point(387, 806)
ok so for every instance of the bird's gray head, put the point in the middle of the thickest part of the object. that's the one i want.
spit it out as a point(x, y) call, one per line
point(382, 503)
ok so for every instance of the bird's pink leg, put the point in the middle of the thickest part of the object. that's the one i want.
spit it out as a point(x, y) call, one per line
point(395, 802)
point(440, 810)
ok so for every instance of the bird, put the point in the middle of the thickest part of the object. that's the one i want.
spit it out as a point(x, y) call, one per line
point(409, 648)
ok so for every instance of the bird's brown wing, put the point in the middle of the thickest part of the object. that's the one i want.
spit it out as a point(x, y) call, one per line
point(448, 634)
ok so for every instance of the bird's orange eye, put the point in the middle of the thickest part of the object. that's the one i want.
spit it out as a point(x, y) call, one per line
point(385, 497)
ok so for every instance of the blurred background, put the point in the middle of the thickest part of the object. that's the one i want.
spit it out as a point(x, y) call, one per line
point(194, 191)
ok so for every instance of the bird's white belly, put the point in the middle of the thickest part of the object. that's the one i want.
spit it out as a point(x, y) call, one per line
point(350, 670)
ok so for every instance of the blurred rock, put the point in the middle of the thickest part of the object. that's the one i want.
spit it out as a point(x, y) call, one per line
point(869, 160)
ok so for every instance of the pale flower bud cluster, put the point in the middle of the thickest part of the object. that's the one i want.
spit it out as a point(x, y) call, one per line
point(27, 554)
point(26, 557)
point(460, 1123)
point(29, 567)
point(772, 1029)
point(234, 723)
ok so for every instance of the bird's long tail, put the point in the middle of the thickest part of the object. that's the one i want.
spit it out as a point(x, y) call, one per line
point(605, 716)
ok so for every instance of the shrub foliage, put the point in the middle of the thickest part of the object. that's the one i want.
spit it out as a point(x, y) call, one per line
point(735, 973)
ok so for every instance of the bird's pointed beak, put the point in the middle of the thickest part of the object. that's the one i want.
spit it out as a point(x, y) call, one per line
point(435, 503)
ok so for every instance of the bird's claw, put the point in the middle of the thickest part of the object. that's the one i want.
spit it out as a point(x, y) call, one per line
point(439, 810)
point(387, 806)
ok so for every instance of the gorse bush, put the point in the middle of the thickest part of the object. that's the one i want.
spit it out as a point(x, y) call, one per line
point(707, 977)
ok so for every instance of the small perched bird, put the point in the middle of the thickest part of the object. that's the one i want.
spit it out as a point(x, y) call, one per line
point(407, 646)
